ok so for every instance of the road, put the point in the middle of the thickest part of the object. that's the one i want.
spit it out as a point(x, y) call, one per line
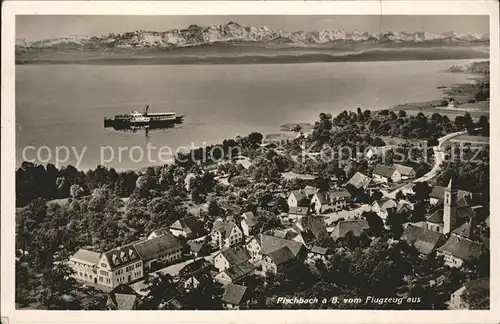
point(439, 158)
point(172, 270)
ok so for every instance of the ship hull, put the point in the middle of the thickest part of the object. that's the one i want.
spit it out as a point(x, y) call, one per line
point(123, 124)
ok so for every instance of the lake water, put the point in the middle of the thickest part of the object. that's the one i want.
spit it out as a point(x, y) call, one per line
point(64, 105)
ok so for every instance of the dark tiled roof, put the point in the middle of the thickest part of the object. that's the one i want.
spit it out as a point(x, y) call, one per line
point(383, 170)
point(122, 256)
point(388, 204)
point(359, 180)
point(403, 169)
point(281, 255)
point(235, 254)
point(423, 239)
point(234, 294)
point(437, 192)
point(355, 226)
point(196, 246)
point(200, 265)
point(161, 231)
point(271, 243)
point(483, 283)
point(462, 248)
point(157, 247)
point(238, 271)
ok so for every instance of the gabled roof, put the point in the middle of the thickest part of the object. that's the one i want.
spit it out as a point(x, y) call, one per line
point(281, 255)
point(383, 170)
point(403, 205)
point(321, 197)
point(319, 250)
point(238, 271)
point(122, 256)
point(161, 231)
point(235, 254)
point(249, 218)
point(158, 246)
point(359, 180)
point(316, 224)
point(355, 226)
point(436, 217)
point(191, 225)
point(340, 194)
point(200, 265)
point(438, 193)
point(234, 294)
point(225, 228)
point(309, 191)
point(271, 243)
point(465, 230)
point(86, 256)
point(424, 240)
point(404, 170)
point(462, 248)
point(196, 246)
point(388, 203)
point(298, 210)
point(301, 198)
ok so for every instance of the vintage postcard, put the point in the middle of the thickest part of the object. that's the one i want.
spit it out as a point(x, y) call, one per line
point(223, 158)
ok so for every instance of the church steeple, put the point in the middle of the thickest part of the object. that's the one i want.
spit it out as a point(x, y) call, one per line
point(450, 207)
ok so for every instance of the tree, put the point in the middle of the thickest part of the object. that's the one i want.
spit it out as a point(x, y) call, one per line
point(402, 113)
point(160, 288)
point(375, 222)
point(239, 181)
point(422, 191)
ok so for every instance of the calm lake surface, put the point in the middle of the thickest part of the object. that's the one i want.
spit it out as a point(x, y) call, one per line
point(64, 105)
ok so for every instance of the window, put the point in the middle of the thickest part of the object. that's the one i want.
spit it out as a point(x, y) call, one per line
point(103, 265)
point(100, 278)
point(108, 280)
point(104, 273)
point(138, 264)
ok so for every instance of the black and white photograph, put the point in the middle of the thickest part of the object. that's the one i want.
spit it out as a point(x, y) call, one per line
point(251, 162)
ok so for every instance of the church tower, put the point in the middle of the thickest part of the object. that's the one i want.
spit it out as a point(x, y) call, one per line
point(450, 208)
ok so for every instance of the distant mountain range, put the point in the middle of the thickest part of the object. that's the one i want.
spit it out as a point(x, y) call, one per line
point(236, 34)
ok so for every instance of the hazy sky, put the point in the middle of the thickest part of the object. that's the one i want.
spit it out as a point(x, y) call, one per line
point(36, 27)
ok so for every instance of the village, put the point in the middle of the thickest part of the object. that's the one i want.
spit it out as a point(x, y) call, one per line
point(316, 223)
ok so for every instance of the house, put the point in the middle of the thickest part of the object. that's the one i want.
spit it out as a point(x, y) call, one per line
point(158, 232)
point(311, 228)
point(235, 273)
point(356, 227)
point(249, 224)
point(372, 152)
point(309, 191)
point(84, 264)
point(162, 249)
point(478, 288)
point(194, 280)
point(437, 194)
point(230, 256)
point(457, 250)
point(298, 198)
point(233, 296)
point(123, 297)
point(226, 234)
point(121, 265)
point(424, 240)
point(317, 253)
point(386, 174)
point(405, 171)
point(261, 245)
point(189, 227)
point(172, 304)
point(278, 260)
point(359, 181)
point(199, 265)
point(320, 202)
point(384, 207)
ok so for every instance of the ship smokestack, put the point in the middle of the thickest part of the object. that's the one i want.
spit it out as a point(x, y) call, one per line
point(147, 108)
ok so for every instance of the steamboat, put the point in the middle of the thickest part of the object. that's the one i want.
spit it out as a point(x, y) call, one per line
point(144, 120)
